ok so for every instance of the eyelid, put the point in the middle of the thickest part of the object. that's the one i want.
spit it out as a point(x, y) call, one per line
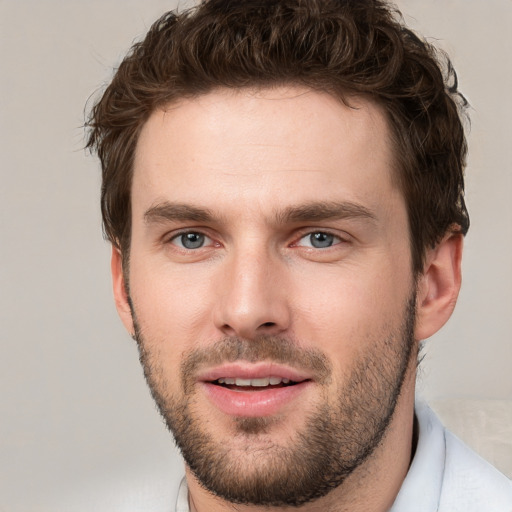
point(341, 237)
point(170, 238)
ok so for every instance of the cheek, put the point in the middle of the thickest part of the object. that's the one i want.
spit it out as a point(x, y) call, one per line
point(345, 311)
point(172, 304)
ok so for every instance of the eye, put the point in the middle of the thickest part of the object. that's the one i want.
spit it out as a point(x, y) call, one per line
point(191, 240)
point(318, 240)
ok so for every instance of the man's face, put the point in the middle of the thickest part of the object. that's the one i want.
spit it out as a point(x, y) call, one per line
point(271, 286)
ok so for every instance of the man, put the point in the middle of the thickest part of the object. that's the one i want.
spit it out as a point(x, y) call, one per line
point(283, 190)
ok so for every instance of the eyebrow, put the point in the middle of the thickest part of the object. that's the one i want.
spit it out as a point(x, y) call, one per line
point(319, 211)
point(167, 211)
point(309, 212)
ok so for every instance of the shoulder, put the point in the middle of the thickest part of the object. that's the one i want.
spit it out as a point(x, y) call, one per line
point(447, 476)
point(471, 482)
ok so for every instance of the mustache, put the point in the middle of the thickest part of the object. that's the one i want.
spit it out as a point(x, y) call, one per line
point(269, 348)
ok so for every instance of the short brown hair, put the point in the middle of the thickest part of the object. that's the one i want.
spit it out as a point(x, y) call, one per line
point(342, 47)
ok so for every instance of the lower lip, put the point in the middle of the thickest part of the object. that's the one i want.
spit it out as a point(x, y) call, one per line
point(252, 404)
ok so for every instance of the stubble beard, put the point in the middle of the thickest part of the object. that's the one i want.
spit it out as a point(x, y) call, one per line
point(338, 437)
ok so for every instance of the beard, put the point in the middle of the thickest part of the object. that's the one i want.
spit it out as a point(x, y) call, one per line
point(341, 432)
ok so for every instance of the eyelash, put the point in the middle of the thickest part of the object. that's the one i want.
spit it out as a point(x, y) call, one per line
point(177, 236)
point(337, 239)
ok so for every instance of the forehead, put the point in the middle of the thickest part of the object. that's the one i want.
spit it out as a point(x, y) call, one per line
point(264, 148)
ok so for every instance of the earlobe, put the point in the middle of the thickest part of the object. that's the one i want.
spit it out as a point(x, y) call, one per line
point(438, 286)
point(120, 292)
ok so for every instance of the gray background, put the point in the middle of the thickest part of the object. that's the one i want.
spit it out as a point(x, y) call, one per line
point(78, 430)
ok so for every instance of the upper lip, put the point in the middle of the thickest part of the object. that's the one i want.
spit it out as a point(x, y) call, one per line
point(246, 370)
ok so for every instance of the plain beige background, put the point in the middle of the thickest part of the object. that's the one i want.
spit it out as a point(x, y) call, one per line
point(78, 430)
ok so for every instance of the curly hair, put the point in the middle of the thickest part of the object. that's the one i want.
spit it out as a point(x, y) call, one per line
point(341, 47)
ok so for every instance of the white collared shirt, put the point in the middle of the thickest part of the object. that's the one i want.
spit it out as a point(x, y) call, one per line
point(445, 475)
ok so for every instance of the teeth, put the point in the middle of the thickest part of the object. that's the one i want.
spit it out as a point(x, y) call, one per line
point(243, 382)
point(226, 381)
point(258, 383)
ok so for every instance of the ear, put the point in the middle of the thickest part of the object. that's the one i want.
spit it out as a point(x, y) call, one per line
point(119, 287)
point(438, 286)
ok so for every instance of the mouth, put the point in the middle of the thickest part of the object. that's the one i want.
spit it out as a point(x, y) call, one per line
point(254, 390)
point(259, 384)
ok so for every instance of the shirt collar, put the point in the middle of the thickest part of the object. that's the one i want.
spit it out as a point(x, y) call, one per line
point(182, 500)
point(421, 489)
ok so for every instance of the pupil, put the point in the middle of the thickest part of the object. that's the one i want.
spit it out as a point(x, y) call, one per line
point(321, 240)
point(192, 240)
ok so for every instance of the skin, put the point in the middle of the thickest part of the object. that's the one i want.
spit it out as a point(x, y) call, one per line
point(247, 157)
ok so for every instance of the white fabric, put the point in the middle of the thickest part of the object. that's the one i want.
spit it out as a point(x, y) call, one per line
point(182, 500)
point(483, 424)
point(445, 476)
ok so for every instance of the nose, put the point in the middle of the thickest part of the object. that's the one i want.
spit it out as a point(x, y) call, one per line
point(252, 295)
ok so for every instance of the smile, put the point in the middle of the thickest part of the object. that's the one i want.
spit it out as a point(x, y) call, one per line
point(254, 390)
point(239, 384)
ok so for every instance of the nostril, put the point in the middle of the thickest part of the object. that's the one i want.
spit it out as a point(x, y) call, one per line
point(268, 324)
point(227, 330)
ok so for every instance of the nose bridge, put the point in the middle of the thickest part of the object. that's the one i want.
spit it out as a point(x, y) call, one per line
point(251, 295)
